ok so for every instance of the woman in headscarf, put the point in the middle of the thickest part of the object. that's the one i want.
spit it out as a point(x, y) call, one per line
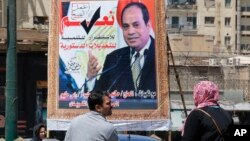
point(208, 121)
point(39, 132)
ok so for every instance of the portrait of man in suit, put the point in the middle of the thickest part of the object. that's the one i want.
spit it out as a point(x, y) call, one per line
point(113, 46)
point(130, 71)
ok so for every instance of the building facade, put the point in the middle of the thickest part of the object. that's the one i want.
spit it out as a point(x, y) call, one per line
point(32, 40)
point(209, 41)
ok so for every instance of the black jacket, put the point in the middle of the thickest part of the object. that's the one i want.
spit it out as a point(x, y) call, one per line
point(200, 127)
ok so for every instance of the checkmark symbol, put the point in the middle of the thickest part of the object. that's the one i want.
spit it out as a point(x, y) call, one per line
point(95, 17)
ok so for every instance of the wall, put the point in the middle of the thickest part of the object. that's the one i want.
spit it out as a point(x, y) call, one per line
point(27, 9)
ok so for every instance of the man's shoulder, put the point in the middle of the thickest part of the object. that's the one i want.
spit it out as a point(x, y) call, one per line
point(77, 118)
point(109, 124)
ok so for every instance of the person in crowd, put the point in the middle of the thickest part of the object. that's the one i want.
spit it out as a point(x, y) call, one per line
point(208, 121)
point(93, 125)
point(39, 132)
point(131, 68)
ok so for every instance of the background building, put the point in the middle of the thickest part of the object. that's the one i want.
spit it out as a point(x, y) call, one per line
point(209, 40)
point(32, 42)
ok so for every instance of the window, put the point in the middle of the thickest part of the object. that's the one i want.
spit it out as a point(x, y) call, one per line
point(227, 40)
point(242, 27)
point(242, 47)
point(40, 20)
point(209, 20)
point(227, 21)
point(248, 28)
point(175, 22)
point(245, 47)
point(227, 3)
point(243, 9)
point(189, 19)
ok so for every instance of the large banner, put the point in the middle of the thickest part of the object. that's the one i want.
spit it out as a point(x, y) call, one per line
point(97, 47)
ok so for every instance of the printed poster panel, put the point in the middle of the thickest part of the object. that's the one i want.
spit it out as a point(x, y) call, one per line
point(96, 30)
point(86, 27)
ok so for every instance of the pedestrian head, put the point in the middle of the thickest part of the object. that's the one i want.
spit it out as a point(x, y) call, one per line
point(100, 102)
point(205, 93)
point(39, 132)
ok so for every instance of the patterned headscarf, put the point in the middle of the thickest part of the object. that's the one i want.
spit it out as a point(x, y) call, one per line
point(206, 93)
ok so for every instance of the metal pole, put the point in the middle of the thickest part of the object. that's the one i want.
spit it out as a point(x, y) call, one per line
point(11, 74)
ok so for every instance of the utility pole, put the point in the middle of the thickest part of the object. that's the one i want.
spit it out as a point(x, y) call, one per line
point(11, 74)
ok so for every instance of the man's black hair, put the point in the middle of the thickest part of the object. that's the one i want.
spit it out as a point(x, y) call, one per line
point(143, 8)
point(96, 98)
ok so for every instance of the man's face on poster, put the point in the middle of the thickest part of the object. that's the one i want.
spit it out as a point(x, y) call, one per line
point(135, 30)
